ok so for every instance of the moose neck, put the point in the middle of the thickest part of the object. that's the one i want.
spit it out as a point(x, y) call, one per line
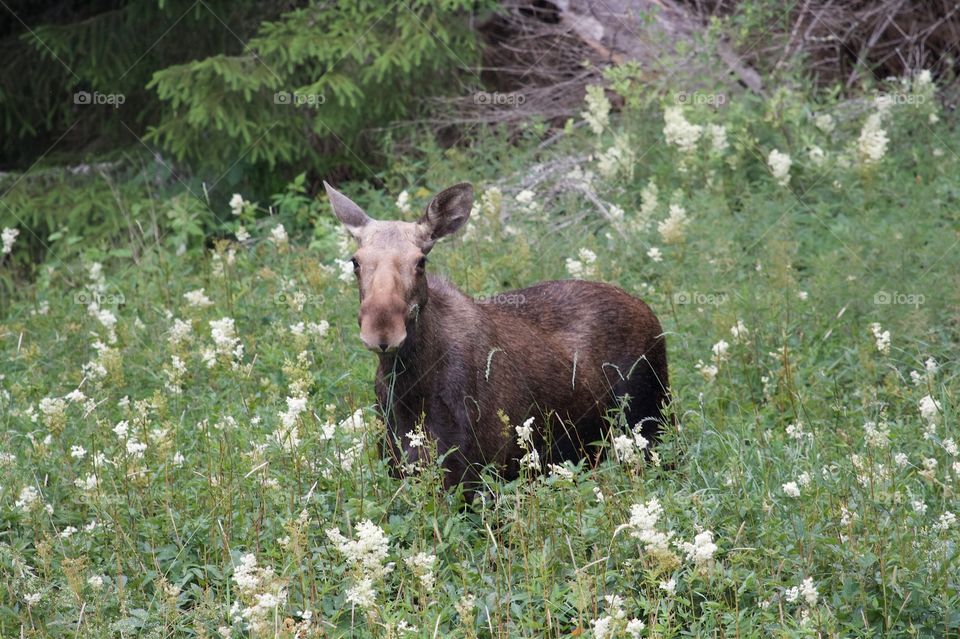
point(416, 362)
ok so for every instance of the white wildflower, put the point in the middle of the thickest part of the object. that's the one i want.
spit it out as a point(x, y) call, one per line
point(28, 499)
point(597, 113)
point(929, 409)
point(560, 472)
point(197, 298)
point(816, 155)
point(422, 565)
point(824, 122)
point(87, 484)
point(223, 332)
point(368, 551)
point(721, 351)
point(362, 594)
point(739, 332)
point(876, 435)
point(648, 201)
point(677, 130)
point(806, 590)
point(635, 628)
point(669, 587)
point(278, 235)
point(8, 236)
point(708, 371)
point(643, 521)
point(295, 406)
point(791, 489)
point(881, 337)
point(672, 229)
point(779, 164)
point(872, 143)
point(236, 204)
point(180, 331)
point(403, 202)
point(718, 138)
point(947, 520)
point(122, 429)
point(702, 549)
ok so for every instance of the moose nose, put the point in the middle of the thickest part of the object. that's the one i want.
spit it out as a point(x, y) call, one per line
point(383, 343)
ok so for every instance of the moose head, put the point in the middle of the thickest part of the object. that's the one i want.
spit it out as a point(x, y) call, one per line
point(390, 262)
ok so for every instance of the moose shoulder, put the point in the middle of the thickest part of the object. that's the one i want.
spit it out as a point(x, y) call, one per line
point(566, 353)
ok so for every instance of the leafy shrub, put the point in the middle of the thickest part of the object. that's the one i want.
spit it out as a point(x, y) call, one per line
point(309, 85)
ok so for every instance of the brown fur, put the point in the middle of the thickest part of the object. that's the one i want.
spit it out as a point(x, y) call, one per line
point(563, 352)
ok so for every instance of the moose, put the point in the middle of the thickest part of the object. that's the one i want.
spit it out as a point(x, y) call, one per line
point(567, 353)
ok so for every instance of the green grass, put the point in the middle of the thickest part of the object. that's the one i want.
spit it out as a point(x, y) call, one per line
point(153, 546)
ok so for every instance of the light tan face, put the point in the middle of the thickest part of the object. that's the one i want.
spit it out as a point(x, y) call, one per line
point(390, 262)
point(391, 275)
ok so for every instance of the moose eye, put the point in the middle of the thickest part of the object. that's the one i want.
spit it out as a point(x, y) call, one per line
point(356, 264)
point(421, 263)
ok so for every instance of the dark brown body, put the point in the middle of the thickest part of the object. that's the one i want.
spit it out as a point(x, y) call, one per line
point(569, 354)
point(565, 352)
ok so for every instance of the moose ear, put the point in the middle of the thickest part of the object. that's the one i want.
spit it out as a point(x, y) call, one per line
point(446, 213)
point(347, 211)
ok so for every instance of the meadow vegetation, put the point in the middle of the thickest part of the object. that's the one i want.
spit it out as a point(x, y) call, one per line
point(188, 443)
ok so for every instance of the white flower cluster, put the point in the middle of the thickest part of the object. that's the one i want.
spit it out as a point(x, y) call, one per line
point(780, 164)
point(278, 235)
point(643, 522)
point(367, 556)
point(422, 565)
point(531, 458)
point(930, 410)
point(225, 341)
point(584, 266)
point(930, 367)
point(8, 237)
point(629, 448)
point(615, 622)
point(673, 228)
point(236, 204)
point(261, 594)
point(403, 202)
point(197, 298)
point(718, 138)
point(312, 328)
point(527, 201)
point(678, 131)
point(642, 525)
point(28, 500)
point(701, 551)
point(288, 435)
point(648, 203)
point(807, 591)
point(597, 114)
point(180, 332)
point(872, 143)
point(721, 353)
point(876, 435)
point(881, 337)
point(346, 270)
point(619, 158)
